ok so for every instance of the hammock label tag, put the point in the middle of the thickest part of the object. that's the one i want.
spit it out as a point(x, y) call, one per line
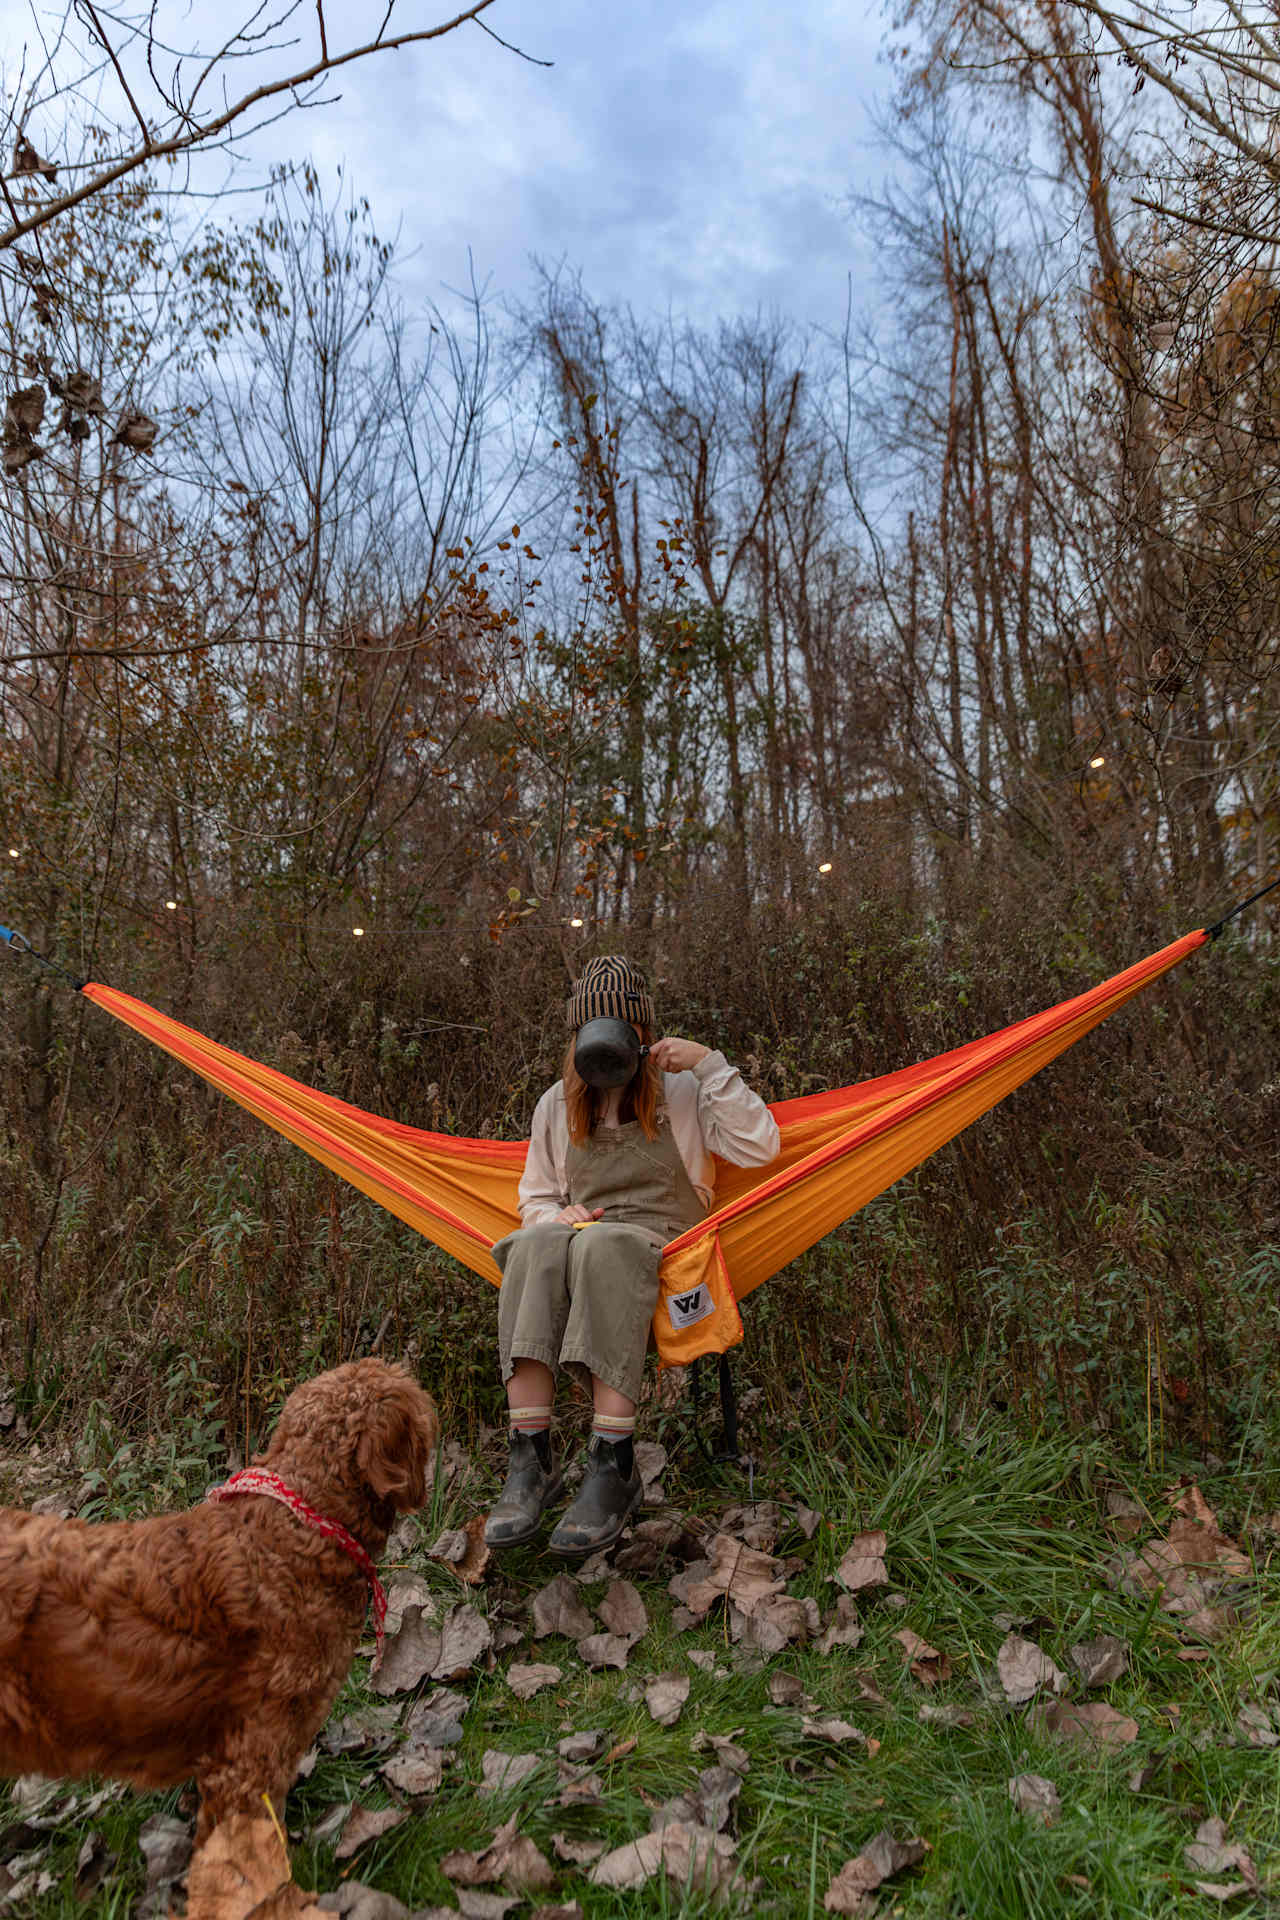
point(686, 1309)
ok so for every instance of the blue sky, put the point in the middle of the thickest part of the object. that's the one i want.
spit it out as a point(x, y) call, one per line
point(694, 157)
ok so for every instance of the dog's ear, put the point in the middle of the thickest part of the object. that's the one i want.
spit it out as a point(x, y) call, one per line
point(399, 1437)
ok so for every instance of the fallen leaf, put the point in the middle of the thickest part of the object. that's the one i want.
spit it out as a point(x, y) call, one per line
point(1127, 1515)
point(623, 1611)
point(473, 1904)
point(838, 1732)
point(463, 1551)
point(464, 1635)
point(576, 1853)
point(758, 1524)
point(371, 1730)
point(1257, 1725)
point(502, 1771)
point(734, 1571)
point(665, 1697)
point(1099, 1662)
point(415, 1770)
point(409, 1655)
point(1035, 1796)
point(364, 1824)
point(358, 1902)
point(928, 1665)
point(557, 1609)
point(581, 1746)
point(688, 1856)
point(1025, 1669)
point(166, 1847)
point(843, 1629)
point(570, 1910)
point(878, 1861)
point(863, 1563)
point(605, 1649)
point(947, 1715)
point(524, 1682)
point(1094, 1723)
point(510, 1859)
point(786, 1690)
point(243, 1869)
point(651, 1460)
point(1212, 1852)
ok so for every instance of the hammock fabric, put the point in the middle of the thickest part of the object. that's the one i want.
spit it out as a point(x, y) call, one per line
point(839, 1150)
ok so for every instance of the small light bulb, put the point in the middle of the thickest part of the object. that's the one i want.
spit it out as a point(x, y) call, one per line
point(358, 932)
point(1098, 760)
point(14, 853)
point(575, 923)
point(825, 867)
point(172, 905)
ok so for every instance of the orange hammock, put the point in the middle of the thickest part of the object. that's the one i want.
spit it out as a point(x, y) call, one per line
point(839, 1150)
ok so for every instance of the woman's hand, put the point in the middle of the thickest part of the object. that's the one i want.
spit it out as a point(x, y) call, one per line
point(575, 1216)
point(677, 1056)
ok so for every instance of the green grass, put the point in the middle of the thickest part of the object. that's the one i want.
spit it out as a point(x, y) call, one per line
point(985, 1525)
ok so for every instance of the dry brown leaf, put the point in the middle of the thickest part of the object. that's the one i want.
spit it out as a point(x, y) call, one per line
point(725, 1748)
point(878, 1861)
point(364, 1824)
point(928, 1665)
point(463, 1551)
point(1025, 1670)
point(843, 1629)
point(524, 1682)
point(1091, 1724)
point(243, 1869)
point(510, 1859)
point(1035, 1796)
point(838, 1732)
point(1127, 1515)
point(475, 1904)
point(947, 1715)
point(863, 1563)
point(665, 1697)
point(775, 1622)
point(464, 1636)
point(415, 1770)
point(623, 1611)
point(567, 1910)
point(757, 1524)
point(1098, 1662)
point(787, 1690)
point(581, 1746)
point(688, 1855)
point(501, 1771)
point(651, 1460)
point(1257, 1725)
point(557, 1609)
point(735, 1571)
point(409, 1655)
point(1212, 1852)
point(605, 1649)
point(576, 1853)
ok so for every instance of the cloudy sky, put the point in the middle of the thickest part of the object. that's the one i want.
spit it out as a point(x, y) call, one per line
point(692, 156)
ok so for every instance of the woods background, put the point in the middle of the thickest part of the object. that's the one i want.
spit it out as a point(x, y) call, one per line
point(872, 692)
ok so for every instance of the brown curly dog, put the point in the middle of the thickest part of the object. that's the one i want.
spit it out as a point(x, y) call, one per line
point(210, 1643)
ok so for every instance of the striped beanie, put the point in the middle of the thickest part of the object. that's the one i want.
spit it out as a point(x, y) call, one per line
point(611, 988)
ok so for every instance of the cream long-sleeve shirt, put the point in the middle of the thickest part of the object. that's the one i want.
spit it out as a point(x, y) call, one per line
point(711, 1110)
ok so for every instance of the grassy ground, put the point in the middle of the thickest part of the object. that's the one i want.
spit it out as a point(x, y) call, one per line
point(987, 1529)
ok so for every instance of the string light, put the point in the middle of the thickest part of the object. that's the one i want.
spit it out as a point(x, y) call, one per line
point(358, 932)
point(1098, 760)
point(575, 923)
point(825, 867)
point(172, 905)
point(14, 853)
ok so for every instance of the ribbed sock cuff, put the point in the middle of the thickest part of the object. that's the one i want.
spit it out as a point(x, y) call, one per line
point(614, 1426)
point(529, 1419)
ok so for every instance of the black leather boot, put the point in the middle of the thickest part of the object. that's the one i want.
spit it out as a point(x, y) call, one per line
point(606, 1500)
point(532, 1483)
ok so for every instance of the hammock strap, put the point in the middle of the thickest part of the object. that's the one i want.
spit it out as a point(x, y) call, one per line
point(18, 943)
point(1231, 913)
point(730, 1451)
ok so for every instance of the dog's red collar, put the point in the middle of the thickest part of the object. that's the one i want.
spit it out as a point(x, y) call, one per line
point(257, 1480)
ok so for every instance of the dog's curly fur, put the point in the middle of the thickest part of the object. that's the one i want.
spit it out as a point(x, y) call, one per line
point(210, 1643)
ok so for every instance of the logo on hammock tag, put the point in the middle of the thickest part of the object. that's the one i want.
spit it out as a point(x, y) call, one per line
point(686, 1309)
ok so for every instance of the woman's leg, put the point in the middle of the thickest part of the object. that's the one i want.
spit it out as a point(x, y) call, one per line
point(532, 1307)
point(531, 1385)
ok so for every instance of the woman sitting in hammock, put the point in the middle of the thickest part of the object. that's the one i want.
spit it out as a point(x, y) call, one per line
point(613, 1173)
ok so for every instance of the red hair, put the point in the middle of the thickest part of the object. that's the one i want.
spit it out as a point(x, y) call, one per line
point(641, 1097)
